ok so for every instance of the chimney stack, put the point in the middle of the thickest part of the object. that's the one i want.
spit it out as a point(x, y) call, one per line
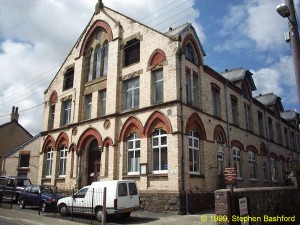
point(14, 114)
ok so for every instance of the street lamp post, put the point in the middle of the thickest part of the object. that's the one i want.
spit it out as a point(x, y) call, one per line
point(287, 10)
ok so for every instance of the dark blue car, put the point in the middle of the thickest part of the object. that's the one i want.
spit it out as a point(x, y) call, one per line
point(39, 195)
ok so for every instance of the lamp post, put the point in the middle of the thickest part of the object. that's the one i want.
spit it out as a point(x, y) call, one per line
point(287, 10)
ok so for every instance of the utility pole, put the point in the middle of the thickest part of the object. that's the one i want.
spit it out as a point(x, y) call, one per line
point(295, 41)
point(287, 10)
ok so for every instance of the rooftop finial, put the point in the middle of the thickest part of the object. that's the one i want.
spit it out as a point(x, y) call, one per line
point(98, 6)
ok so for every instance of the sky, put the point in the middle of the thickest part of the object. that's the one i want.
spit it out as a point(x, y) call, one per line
point(36, 36)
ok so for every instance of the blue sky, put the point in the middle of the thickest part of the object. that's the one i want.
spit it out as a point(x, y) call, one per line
point(36, 36)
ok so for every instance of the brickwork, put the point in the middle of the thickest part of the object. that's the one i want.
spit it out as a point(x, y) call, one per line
point(157, 51)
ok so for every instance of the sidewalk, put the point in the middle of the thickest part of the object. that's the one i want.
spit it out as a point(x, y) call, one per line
point(139, 217)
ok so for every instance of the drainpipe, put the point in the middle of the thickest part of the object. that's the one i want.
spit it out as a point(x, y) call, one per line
point(268, 145)
point(78, 171)
point(227, 123)
point(182, 137)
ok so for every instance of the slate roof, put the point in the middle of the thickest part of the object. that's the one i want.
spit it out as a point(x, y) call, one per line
point(238, 74)
point(270, 99)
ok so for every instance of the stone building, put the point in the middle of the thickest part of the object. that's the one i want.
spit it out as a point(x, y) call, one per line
point(23, 161)
point(12, 134)
point(130, 102)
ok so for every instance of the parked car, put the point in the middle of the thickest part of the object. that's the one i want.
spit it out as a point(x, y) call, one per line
point(11, 187)
point(45, 197)
point(122, 198)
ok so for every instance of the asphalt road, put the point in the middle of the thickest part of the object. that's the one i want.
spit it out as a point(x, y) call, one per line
point(29, 216)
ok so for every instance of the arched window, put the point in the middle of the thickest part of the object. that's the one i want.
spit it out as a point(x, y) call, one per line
point(159, 151)
point(190, 53)
point(98, 56)
point(220, 153)
point(98, 61)
point(91, 65)
point(274, 169)
point(63, 160)
point(194, 153)
point(237, 162)
point(252, 165)
point(49, 160)
point(134, 153)
point(105, 58)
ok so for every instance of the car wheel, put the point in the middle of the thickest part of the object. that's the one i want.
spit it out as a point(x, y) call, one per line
point(43, 206)
point(125, 215)
point(99, 214)
point(63, 210)
point(21, 204)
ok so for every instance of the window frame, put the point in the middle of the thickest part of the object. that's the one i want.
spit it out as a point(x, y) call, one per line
point(66, 112)
point(194, 152)
point(131, 89)
point(88, 101)
point(49, 162)
point(68, 79)
point(156, 84)
point(132, 52)
point(63, 155)
point(134, 138)
point(161, 134)
point(252, 165)
point(237, 160)
point(21, 160)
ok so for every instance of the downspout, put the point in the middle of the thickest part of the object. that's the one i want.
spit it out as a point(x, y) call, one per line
point(78, 170)
point(182, 137)
point(227, 124)
point(268, 146)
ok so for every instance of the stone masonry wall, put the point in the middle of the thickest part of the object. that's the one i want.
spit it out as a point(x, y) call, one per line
point(271, 202)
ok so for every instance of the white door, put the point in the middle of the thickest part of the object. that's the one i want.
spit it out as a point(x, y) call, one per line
point(79, 200)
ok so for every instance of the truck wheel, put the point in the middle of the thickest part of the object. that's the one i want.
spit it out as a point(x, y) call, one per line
point(99, 214)
point(63, 210)
point(21, 204)
point(125, 215)
point(43, 206)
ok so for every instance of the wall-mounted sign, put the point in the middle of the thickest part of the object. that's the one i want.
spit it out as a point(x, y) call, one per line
point(229, 175)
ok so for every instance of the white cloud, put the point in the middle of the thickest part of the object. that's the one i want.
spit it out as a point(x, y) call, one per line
point(279, 79)
point(36, 37)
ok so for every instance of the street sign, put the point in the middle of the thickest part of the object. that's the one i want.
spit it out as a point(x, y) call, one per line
point(229, 175)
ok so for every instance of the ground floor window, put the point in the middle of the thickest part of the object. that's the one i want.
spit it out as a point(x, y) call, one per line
point(159, 151)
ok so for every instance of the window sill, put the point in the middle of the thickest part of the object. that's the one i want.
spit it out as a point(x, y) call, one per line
point(60, 178)
point(253, 180)
point(197, 175)
point(131, 176)
point(158, 175)
point(94, 81)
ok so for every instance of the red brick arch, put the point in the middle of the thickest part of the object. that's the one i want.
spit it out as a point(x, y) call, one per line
point(49, 142)
point(220, 130)
point(62, 139)
point(53, 97)
point(155, 120)
point(238, 144)
point(73, 147)
point(195, 123)
point(274, 156)
point(87, 135)
point(157, 57)
point(107, 142)
point(97, 24)
point(132, 124)
point(251, 148)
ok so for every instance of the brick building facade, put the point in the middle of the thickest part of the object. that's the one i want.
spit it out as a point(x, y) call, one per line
point(12, 134)
point(130, 102)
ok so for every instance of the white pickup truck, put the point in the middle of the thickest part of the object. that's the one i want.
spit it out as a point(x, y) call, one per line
point(122, 198)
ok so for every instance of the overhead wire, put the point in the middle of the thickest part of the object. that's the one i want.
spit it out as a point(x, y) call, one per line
point(87, 66)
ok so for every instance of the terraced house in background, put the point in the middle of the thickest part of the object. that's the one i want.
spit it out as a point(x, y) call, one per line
point(130, 102)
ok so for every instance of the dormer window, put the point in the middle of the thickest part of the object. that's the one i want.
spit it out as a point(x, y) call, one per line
point(190, 53)
point(132, 52)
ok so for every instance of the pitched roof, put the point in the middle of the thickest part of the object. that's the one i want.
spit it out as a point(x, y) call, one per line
point(15, 122)
point(238, 74)
point(22, 145)
point(270, 99)
point(289, 115)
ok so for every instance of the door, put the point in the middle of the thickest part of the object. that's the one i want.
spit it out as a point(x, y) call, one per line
point(123, 195)
point(134, 199)
point(93, 161)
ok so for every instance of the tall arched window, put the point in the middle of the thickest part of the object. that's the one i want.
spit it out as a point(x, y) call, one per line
point(160, 151)
point(194, 153)
point(252, 165)
point(91, 65)
point(49, 160)
point(237, 162)
point(134, 153)
point(105, 58)
point(98, 60)
point(190, 53)
point(63, 160)
point(98, 56)
point(220, 153)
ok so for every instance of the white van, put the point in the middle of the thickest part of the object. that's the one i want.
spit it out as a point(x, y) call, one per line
point(122, 198)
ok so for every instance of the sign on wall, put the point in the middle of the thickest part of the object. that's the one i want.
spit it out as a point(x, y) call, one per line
point(229, 175)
